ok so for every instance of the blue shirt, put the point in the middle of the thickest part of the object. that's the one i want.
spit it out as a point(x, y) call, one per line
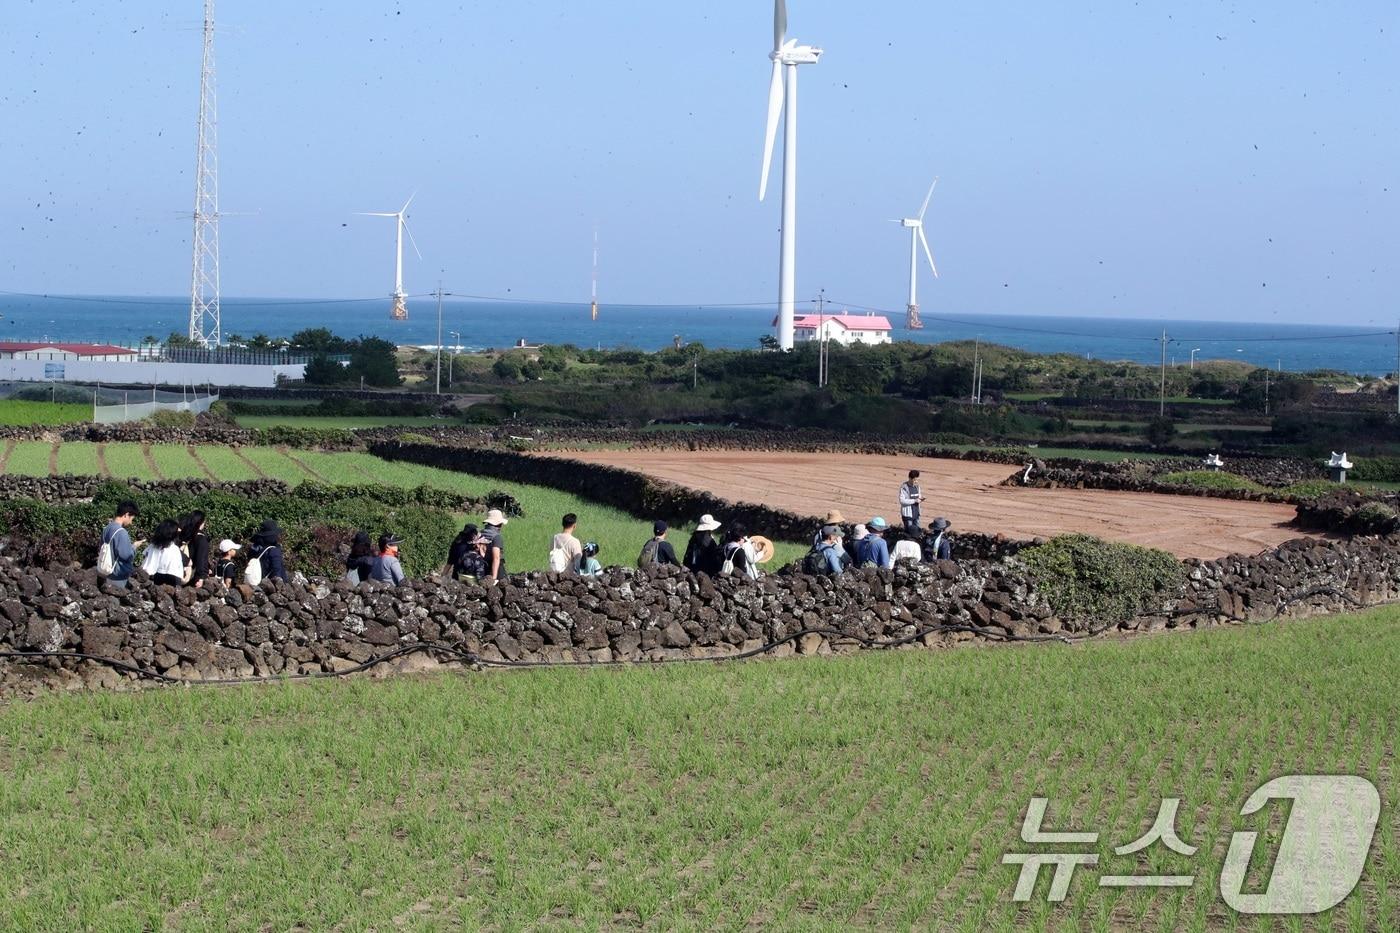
point(874, 550)
point(122, 551)
point(835, 558)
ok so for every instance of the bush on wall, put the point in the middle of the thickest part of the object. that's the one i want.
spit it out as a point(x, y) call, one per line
point(1084, 577)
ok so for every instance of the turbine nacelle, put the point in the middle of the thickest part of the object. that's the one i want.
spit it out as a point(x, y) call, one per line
point(793, 54)
point(910, 224)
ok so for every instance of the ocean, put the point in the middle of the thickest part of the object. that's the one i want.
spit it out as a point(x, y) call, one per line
point(483, 324)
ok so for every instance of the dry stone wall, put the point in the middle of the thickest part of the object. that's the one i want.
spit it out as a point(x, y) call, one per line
point(625, 615)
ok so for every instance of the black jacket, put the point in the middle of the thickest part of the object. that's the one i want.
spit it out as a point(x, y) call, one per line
point(704, 554)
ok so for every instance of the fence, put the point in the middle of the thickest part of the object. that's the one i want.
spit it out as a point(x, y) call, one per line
point(109, 405)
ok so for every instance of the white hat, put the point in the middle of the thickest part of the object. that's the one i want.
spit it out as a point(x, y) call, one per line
point(495, 517)
point(860, 532)
point(226, 545)
point(707, 523)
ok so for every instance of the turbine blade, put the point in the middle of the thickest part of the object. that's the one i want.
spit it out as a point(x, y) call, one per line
point(779, 23)
point(928, 197)
point(775, 109)
point(414, 242)
point(408, 202)
point(375, 214)
point(928, 252)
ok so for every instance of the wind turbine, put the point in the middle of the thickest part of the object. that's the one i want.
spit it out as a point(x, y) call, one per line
point(786, 56)
point(915, 226)
point(400, 309)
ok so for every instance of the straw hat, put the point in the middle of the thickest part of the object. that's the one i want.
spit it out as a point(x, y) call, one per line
point(762, 548)
point(495, 517)
point(834, 517)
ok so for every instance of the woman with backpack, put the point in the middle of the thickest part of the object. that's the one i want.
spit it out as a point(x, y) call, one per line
point(265, 555)
point(703, 554)
point(457, 551)
point(195, 543)
point(360, 561)
point(164, 560)
point(739, 557)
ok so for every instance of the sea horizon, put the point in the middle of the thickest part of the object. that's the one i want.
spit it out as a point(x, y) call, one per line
point(499, 324)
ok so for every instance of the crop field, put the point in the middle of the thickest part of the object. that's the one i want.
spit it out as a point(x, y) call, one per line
point(619, 535)
point(25, 413)
point(879, 790)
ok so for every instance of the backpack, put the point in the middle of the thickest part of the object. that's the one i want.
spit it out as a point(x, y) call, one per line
point(864, 552)
point(647, 558)
point(558, 560)
point(106, 557)
point(815, 562)
point(253, 573)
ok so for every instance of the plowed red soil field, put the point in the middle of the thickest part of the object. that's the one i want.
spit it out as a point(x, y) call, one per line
point(966, 492)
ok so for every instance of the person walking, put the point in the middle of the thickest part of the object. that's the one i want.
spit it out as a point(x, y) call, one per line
point(910, 499)
point(228, 562)
point(360, 561)
point(386, 567)
point(116, 557)
point(873, 550)
point(827, 557)
point(657, 552)
point(195, 541)
point(463, 544)
point(703, 554)
point(739, 555)
point(937, 545)
point(266, 549)
point(565, 550)
point(496, 545)
point(164, 560)
point(588, 565)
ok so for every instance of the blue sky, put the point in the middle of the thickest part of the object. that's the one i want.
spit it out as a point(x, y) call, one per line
point(1189, 159)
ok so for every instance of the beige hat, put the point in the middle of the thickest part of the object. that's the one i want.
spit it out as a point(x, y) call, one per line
point(495, 517)
point(762, 548)
point(707, 523)
point(834, 517)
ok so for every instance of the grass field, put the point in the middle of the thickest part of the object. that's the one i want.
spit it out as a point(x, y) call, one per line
point(872, 791)
point(619, 535)
point(23, 413)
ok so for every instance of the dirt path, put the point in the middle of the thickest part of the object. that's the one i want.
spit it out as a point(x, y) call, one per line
point(199, 461)
point(151, 461)
point(257, 471)
point(53, 459)
point(102, 467)
point(5, 454)
point(297, 461)
point(966, 492)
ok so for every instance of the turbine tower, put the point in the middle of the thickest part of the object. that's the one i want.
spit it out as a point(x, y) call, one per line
point(782, 100)
point(915, 226)
point(399, 312)
point(204, 287)
point(593, 309)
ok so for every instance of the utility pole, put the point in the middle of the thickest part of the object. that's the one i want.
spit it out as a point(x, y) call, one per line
point(1266, 393)
point(822, 359)
point(456, 348)
point(976, 366)
point(1162, 397)
point(438, 383)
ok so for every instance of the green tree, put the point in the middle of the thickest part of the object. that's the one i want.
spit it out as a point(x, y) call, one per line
point(321, 370)
point(319, 340)
point(506, 369)
point(375, 361)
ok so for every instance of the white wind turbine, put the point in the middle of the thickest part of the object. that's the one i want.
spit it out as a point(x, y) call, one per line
point(400, 308)
point(786, 56)
point(915, 226)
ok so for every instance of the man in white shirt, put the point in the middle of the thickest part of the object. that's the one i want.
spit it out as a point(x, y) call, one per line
point(566, 542)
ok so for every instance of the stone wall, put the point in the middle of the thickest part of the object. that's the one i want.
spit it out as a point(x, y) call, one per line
point(625, 615)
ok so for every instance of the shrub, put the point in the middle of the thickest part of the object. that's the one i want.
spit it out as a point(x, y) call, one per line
point(1377, 469)
point(304, 438)
point(173, 419)
point(1375, 518)
point(411, 437)
point(1206, 479)
point(1160, 431)
point(1103, 582)
point(1309, 489)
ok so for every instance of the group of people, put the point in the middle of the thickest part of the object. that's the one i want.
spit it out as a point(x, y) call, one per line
point(833, 551)
point(178, 552)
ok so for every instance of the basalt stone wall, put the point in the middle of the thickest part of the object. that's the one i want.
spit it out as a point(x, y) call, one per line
point(1348, 511)
point(69, 488)
point(625, 615)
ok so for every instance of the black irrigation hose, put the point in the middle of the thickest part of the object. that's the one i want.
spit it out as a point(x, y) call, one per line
point(469, 657)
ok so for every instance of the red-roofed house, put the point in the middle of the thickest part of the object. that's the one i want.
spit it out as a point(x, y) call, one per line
point(844, 329)
point(88, 352)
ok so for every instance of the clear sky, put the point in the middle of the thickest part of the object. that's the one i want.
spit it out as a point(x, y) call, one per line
point(1182, 158)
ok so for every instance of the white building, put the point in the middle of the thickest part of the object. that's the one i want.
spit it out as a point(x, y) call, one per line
point(844, 329)
point(51, 352)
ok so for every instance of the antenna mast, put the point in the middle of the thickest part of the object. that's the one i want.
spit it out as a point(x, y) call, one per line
point(204, 288)
point(594, 307)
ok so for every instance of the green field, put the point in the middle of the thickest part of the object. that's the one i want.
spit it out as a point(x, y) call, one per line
point(875, 791)
point(619, 535)
point(23, 413)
